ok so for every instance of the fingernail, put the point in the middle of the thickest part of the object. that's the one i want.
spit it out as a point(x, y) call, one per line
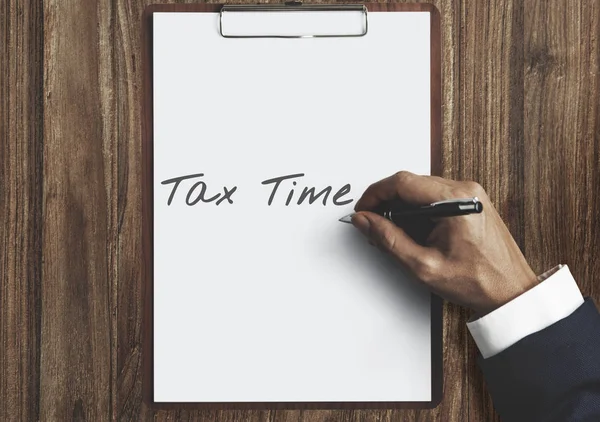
point(361, 223)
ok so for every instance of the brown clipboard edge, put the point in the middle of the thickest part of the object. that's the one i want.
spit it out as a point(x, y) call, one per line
point(147, 222)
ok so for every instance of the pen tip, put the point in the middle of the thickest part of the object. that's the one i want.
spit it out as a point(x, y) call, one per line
point(347, 218)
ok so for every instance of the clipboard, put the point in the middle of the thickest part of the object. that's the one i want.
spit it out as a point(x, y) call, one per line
point(148, 193)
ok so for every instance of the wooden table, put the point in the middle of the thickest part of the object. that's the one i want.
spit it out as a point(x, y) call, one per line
point(521, 115)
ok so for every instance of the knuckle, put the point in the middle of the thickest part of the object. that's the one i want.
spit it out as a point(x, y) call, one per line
point(387, 239)
point(468, 189)
point(427, 269)
point(403, 176)
point(372, 187)
point(474, 188)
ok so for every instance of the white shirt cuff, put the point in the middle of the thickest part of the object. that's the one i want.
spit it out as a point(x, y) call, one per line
point(541, 306)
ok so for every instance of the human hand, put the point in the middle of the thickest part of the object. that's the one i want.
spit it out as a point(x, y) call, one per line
point(471, 260)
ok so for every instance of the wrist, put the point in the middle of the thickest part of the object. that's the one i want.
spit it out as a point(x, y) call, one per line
point(555, 297)
point(510, 289)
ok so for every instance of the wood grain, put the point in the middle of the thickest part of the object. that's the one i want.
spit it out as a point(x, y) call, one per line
point(21, 181)
point(562, 136)
point(521, 115)
point(79, 205)
point(489, 143)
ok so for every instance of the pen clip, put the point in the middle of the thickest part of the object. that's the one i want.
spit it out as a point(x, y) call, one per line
point(465, 201)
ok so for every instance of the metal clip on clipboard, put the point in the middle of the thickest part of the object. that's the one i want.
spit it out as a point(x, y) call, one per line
point(293, 6)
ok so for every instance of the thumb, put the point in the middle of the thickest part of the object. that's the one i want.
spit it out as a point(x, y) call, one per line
point(392, 239)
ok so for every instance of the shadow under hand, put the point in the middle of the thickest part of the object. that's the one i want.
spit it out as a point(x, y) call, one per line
point(385, 275)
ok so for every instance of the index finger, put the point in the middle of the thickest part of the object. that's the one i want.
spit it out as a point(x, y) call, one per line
point(410, 188)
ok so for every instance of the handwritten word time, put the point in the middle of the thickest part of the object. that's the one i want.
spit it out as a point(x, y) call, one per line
point(281, 187)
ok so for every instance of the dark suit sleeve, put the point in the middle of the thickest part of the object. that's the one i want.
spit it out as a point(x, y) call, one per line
point(551, 375)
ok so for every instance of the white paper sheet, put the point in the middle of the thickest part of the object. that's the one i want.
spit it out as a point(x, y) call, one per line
point(283, 303)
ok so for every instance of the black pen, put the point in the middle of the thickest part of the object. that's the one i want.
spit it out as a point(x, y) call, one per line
point(448, 208)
